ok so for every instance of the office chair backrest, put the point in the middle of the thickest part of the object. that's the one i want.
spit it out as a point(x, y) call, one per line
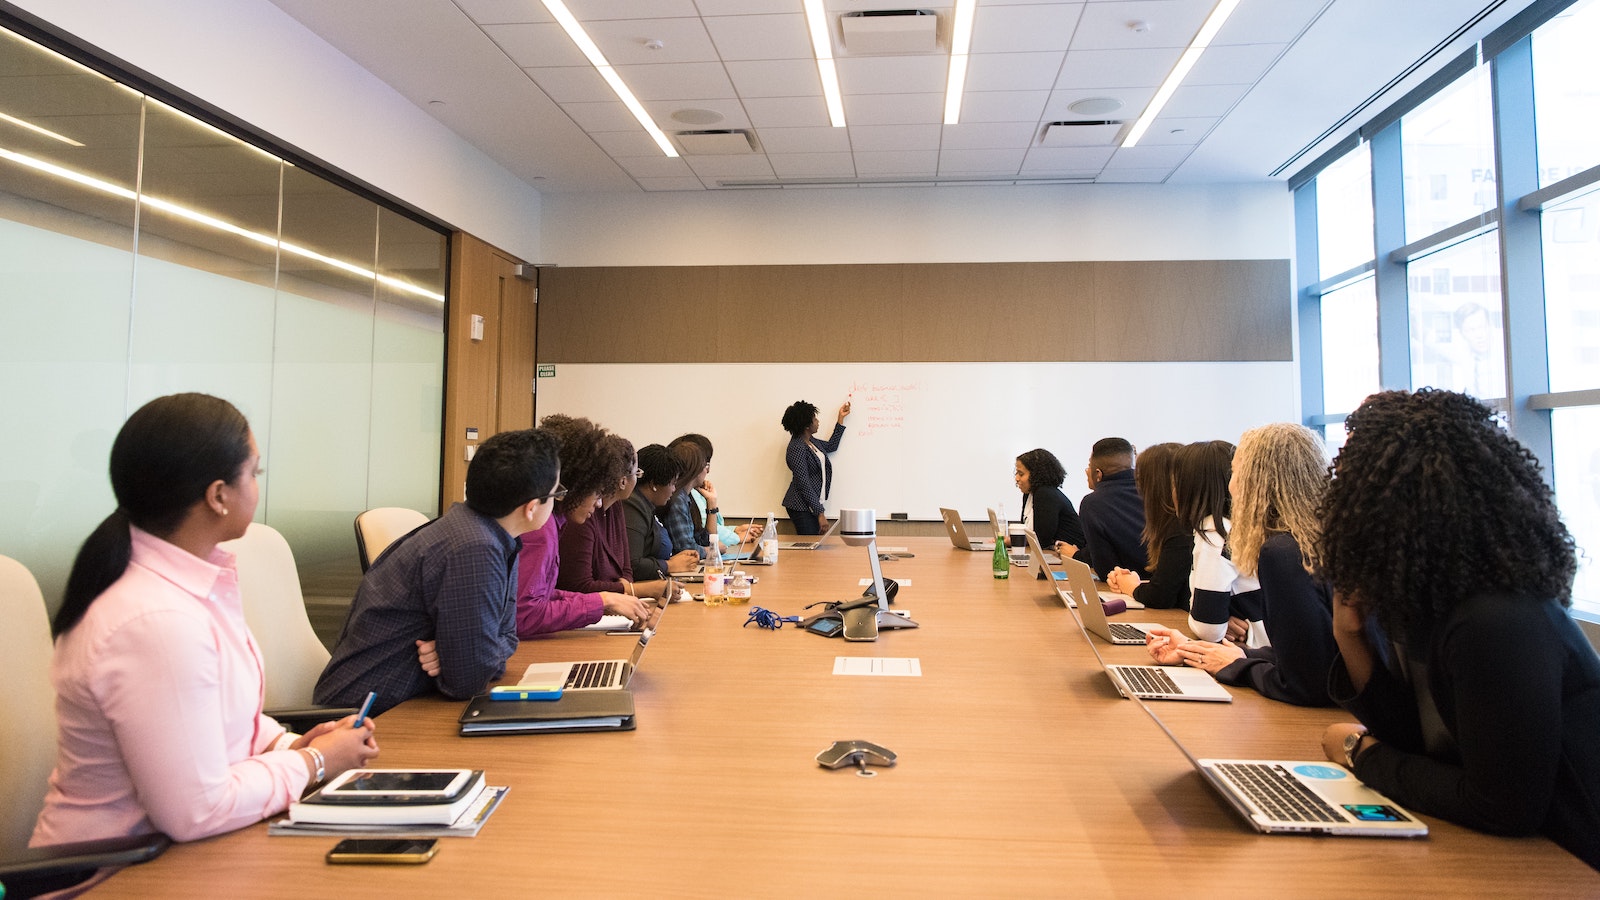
point(27, 704)
point(269, 584)
point(377, 528)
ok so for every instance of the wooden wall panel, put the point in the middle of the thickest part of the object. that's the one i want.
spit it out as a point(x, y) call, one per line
point(519, 332)
point(1219, 310)
point(481, 280)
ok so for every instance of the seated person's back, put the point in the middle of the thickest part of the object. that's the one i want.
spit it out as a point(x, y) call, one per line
point(452, 581)
point(1113, 512)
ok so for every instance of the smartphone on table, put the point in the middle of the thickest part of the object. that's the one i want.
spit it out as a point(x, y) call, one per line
point(384, 850)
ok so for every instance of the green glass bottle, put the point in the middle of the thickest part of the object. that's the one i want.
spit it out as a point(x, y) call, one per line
point(1002, 559)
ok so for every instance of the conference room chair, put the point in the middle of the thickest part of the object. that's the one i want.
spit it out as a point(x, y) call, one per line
point(27, 707)
point(291, 655)
point(377, 528)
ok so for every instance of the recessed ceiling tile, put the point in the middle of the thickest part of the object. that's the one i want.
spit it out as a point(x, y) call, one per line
point(1017, 29)
point(677, 81)
point(593, 117)
point(1002, 106)
point(536, 46)
point(999, 162)
point(654, 166)
point(682, 183)
point(894, 109)
point(1204, 100)
point(572, 84)
point(1067, 159)
point(805, 140)
point(625, 42)
point(1278, 22)
point(987, 136)
point(897, 162)
point(1142, 157)
point(775, 78)
point(752, 166)
point(1012, 71)
point(893, 74)
point(1177, 130)
point(592, 10)
point(618, 144)
point(894, 137)
point(1241, 64)
point(732, 113)
point(1172, 23)
point(1133, 176)
point(761, 37)
point(493, 12)
point(813, 165)
point(710, 8)
point(1116, 68)
point(787, 112)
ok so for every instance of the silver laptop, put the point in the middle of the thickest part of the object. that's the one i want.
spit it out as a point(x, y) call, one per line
point(958, 532)
point(1155, 682)
point(750, 554)
point(1300, 796)
point(593, 675)
point(1080, 581)
point(810, 545)
point(1040, 560)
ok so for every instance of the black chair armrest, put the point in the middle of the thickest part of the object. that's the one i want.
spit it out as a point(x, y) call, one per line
point(300, 719)
point(39, 870)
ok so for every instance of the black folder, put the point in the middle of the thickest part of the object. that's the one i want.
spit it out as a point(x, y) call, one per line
point(610, 710)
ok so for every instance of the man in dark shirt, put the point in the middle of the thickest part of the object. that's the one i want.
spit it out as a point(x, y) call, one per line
point(1112, 512)
point(452, 581)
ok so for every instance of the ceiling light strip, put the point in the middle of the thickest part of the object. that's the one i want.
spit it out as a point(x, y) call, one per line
point(1190, 56)
point(822, 47)
point(960, 44)
point(200, 218)
point(39, 130)
point(570, 25)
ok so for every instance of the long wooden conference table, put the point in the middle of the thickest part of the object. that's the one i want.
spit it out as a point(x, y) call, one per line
point(1021, 772)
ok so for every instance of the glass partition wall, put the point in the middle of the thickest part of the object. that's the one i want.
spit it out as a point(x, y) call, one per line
point(144, 252)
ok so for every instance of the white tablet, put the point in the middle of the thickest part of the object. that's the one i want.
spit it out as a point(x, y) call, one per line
point(397, 785)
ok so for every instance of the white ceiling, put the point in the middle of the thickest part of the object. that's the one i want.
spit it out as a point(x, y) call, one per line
point(503, 74)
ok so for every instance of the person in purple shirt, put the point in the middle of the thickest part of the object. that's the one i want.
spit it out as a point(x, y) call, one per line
point(590, 469)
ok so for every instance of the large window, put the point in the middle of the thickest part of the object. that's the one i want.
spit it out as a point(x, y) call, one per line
point(1457, 335)
point(1447, 151)
point(144, 252)
point(1350, 337)
point(1344, 214)
point(1572, 292)
point(1566, 93)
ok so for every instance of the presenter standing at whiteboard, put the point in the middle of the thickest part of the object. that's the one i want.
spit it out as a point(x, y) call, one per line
point(811, 470)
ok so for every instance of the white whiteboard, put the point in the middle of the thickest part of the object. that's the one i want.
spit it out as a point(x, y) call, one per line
point(921, 435)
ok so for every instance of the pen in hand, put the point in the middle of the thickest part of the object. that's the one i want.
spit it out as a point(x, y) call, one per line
point(365, 708)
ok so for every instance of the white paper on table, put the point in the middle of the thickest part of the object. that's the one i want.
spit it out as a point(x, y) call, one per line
point(877, 665)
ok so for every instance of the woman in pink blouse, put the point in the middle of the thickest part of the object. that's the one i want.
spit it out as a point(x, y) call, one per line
point(158, 681)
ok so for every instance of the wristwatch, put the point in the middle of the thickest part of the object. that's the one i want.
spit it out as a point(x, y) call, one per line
point(1352, 743)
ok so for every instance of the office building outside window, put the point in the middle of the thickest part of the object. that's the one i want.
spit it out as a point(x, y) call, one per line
point(1565, 98)
point(1457, 331)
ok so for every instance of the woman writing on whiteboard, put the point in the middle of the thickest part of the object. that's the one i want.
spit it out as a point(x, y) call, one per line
point(811, 470)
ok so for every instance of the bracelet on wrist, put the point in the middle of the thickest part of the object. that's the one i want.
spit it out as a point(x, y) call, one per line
point(319, 764)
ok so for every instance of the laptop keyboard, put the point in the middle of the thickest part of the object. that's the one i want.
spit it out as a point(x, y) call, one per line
point(1149, 680)
point(1124, 632)
point(1277, 793)
point(593, 674)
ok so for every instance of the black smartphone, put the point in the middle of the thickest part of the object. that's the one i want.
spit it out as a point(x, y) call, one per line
point(384, 850)
point(826, 626)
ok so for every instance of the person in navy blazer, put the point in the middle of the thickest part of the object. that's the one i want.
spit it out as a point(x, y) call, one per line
point(811, 469)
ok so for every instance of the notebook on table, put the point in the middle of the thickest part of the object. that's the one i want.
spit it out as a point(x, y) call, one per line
point(958, 532)
point(1300, 796)
point(810, 545)
point(576, 711)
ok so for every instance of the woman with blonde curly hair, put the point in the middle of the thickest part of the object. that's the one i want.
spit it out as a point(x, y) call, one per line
point(1279, 475)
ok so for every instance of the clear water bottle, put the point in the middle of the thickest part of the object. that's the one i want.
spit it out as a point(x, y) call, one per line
point(739, 588)
point(1002, 560)
point(716, 571)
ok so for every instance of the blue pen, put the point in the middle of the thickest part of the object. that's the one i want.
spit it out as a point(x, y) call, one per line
point(365, 707)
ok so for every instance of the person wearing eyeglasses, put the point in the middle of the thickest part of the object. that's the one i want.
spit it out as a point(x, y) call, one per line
point(588, 470)
point(452, 581)
point(594, 552)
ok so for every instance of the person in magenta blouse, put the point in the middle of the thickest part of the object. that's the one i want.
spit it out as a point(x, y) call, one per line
point(594, 553)
point(589, 472)
point(158, 681)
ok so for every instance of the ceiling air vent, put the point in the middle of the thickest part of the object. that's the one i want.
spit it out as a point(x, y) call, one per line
point(890, 31)
point(1081, 134)
point(722, 142)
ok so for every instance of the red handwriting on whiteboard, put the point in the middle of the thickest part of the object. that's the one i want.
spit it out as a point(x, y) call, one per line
point(883, 405)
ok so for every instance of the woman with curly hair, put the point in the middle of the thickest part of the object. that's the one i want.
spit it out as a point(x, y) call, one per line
point(1279, 474)
point(811, 471)
point(1169, 549)
point(1480, 701)
point(589, 470)
point(1050, 514)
